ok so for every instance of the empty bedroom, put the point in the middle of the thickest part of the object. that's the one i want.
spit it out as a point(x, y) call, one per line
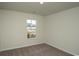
point(39, 28)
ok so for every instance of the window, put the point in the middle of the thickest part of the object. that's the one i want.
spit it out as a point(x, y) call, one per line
point(31, 28)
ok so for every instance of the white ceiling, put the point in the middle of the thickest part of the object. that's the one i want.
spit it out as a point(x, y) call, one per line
point(35, 7)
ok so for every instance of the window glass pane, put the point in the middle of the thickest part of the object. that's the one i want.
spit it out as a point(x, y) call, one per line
point(31, 28)
point(29, 21)
point(33, 22)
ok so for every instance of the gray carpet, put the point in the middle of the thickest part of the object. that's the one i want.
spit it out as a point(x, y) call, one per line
point(35, 50)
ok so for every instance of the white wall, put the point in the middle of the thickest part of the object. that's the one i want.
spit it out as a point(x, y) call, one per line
point(13, 32)
point(62, 30)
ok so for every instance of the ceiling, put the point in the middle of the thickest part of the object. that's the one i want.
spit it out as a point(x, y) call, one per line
point(35, 7)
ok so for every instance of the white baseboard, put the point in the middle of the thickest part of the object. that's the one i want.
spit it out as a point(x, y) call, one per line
point(61, 49)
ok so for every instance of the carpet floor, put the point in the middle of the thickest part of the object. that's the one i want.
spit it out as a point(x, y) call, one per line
point(35, 50)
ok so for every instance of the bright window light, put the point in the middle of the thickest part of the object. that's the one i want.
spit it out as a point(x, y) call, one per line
point(31, 28)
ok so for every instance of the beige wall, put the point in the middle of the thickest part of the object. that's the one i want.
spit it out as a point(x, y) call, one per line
point(13, 32)
point(62, 30)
